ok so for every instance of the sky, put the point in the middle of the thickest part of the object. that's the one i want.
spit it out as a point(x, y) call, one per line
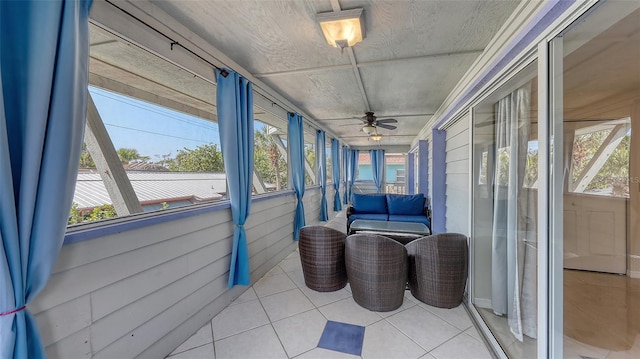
point(152, 130)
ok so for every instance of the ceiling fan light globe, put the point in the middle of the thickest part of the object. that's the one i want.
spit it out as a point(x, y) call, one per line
point(368, 129)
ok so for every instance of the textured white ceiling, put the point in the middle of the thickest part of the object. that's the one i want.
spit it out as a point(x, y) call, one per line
point(413, 54)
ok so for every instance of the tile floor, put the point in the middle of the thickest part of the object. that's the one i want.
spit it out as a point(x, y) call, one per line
point(601, 319)
point(279, 317)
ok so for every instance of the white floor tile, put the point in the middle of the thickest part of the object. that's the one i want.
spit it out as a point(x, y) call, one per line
point(427, 356)
point(406, 304)
point(258, 343)
point(320, 299)
point(285, 304)
point(528, 348)
point(291, 264)
point(462, 346)
point(298, 278)
point(301, 332)
point(457, 316)
point(201, 337)
point(203, 352)
point(382, 340)
point(348, 311)
point(273, 284)
point(423, 327)
point(474, 333)
point(294, 254)
point(238, 318)
point(248, 295)
point(275, 270)
point(320, 353)
point(317, 298)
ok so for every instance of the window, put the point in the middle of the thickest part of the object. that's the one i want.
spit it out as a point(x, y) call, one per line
point(155, 125)
point(310, 177)
point(600, 157)
point(505, 155)
point(396, 172)
point(270, 155)
point(364, 172)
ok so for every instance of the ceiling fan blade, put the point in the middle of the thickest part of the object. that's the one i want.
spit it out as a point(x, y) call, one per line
point(388, 127)
point(388, 120)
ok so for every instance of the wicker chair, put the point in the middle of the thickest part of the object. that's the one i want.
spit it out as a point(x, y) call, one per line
point(377, 271)
point(438, 267)
point(322, 257)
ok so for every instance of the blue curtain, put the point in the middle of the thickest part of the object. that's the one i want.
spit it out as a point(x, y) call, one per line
point(234, 99)
point(44, 55)
point(345, 166)
point(377, 167)
point(353, 167)
point(296, 158)
point(335, 164)
point(321, 159)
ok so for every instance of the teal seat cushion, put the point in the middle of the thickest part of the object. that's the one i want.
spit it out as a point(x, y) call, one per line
point(412, 205)
point(369, 203)
point(370, 216)
point(405, 218)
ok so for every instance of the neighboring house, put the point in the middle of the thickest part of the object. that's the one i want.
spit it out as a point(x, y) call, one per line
point(393, 164)
point(154, 188)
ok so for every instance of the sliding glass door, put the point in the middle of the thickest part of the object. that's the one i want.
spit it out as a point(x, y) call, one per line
point(505, 179)
point(595, 196)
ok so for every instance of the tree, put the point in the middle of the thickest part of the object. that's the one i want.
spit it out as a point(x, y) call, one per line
point(268, 162)
point(614, 173)
point(205, 158)
point(128, 155)
point(85, 158)
point(310, 155)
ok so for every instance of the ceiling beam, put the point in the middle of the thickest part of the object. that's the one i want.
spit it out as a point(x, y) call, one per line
point(356, 72)
point(335, 5)
point(366, 63)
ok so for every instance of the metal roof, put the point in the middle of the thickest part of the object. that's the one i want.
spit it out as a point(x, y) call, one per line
point(153, 187)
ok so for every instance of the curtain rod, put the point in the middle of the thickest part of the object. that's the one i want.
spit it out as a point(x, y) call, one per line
point(223, 71)
point(172, 42)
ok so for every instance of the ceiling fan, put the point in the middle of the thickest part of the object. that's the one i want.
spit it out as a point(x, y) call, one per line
point(371, 123)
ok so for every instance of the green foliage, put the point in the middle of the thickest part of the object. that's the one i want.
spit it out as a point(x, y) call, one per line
point(614, 173)
point(310, 154)
point(75, 216)
point(268, 162)
point(101, 212)
point(205, 158)
point(85, 158)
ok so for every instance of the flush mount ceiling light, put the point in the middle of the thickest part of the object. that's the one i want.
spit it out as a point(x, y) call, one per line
point(342, 28)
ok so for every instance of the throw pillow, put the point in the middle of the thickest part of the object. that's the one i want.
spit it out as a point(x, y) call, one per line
point(369, 203)
point(412, 205)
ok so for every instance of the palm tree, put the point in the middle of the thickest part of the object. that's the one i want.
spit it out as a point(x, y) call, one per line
point(266, 143)
point(127, 155)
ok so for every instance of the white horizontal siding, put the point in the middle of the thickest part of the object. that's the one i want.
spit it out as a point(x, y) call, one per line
point(143, 292)
point(457, 172)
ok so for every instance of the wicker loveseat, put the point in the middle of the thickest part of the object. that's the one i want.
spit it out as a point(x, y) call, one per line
point(389, 207)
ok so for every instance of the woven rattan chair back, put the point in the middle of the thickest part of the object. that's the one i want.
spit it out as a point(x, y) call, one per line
point(377, 271)
point(322, 257)
point(438, 268)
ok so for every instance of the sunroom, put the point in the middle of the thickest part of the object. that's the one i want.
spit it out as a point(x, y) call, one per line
point(158, 158)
